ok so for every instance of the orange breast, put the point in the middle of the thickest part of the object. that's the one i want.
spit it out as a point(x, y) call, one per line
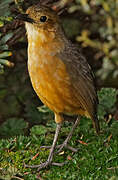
point(50, 79)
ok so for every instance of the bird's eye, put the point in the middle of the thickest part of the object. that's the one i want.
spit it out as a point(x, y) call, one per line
point(43, 18)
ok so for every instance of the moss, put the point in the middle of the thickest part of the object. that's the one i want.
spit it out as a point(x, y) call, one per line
point(95, 160)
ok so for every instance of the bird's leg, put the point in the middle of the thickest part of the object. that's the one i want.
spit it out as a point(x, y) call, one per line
point(69, 137)
point(50, 157)
point(61, 146)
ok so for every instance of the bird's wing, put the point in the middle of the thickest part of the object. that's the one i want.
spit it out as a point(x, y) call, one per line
point(82, 79)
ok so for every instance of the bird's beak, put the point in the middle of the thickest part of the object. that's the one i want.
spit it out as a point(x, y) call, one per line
point(24, 17)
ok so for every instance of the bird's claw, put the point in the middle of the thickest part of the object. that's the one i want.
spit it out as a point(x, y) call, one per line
point(40, 166)
point(60, 147)
point(45, 165)
point(49, 147)
point(67, 147)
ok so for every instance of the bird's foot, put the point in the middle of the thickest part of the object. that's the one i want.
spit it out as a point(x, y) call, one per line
point(60, 147)
point(44, 165)
point(49, 147)
point(39, 166)
point(65, 145)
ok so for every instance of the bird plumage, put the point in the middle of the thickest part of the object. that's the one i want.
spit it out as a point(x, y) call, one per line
point(60, 74)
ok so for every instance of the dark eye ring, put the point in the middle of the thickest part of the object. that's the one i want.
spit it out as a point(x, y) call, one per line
point(43, 18)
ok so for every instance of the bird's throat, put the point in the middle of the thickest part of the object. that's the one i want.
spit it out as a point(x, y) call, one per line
point(43, 36)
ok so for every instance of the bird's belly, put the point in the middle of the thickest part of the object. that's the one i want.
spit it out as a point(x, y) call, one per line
point(52, 84)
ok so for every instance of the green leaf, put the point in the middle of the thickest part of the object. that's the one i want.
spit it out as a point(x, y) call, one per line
point(4, 7)
point(1, 69)
point(44, 109)
point(107, 99)
point(5, 54)
point(38, 130)
point(12, 127)
point(6, 63)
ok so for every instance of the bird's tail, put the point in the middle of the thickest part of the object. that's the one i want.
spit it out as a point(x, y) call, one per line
point(96, 123)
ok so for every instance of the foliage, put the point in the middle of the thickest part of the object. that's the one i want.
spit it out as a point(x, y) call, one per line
point(12, 127)
point(100, 33)
point(4, 50)
point(97, 32)
point(96, 157)
point(16, 126)
point(107, 100)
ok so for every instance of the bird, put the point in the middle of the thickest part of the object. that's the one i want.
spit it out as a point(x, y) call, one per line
point(59, 73)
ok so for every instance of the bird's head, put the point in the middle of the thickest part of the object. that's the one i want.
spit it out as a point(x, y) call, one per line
point(41, 17)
